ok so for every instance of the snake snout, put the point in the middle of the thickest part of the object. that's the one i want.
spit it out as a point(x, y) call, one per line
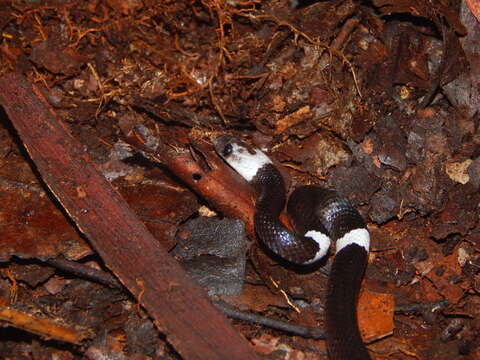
point(222, 141)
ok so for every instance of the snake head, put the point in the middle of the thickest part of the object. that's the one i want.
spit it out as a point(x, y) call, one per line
point(243, 158)
point(224, 145)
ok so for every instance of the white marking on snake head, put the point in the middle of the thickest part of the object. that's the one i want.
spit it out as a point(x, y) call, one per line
point(360, 237)
point(243, 158)
point(323, 242)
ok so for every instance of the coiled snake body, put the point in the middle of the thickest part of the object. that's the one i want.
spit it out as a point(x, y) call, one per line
point(319, 216)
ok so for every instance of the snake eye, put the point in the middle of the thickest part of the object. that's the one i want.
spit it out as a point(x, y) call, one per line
point(227, 150)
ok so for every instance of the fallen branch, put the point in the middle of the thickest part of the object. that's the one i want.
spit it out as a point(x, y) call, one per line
point(43, 327)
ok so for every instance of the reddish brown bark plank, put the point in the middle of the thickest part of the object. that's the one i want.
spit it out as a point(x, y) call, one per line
point(178, 305)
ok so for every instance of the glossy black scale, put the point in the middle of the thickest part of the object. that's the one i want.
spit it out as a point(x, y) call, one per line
point(270, 201)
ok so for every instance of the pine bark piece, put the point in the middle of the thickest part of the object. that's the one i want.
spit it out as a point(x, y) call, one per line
point(178, 305)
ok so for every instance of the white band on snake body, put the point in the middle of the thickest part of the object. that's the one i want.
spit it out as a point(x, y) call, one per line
point(359, 237)
point(323, 242)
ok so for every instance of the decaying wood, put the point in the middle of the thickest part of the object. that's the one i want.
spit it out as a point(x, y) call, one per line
point(178, 305)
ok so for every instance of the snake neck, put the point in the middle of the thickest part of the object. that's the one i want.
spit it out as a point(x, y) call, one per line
point(270, 188)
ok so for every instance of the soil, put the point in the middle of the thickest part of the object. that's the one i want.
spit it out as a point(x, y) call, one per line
point(377, 99)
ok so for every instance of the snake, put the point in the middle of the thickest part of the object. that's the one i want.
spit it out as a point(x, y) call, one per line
point(319, 217)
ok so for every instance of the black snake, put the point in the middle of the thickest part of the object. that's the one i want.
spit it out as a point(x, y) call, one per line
point(319, 216)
